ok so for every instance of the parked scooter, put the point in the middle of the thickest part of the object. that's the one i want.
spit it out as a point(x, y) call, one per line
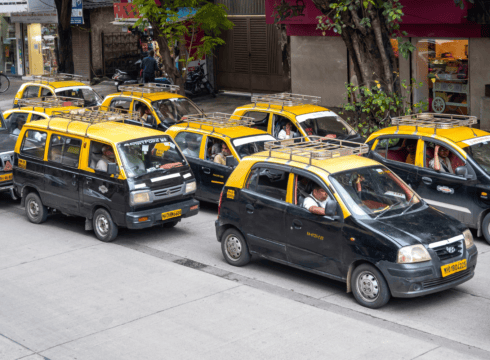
point(128, 77)
point(197, 83)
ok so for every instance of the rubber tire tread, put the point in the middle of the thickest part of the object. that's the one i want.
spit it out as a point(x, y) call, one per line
point(484, 227)
point(385, 293)
point(113, 229)
point(244, 257)
point(43, 216)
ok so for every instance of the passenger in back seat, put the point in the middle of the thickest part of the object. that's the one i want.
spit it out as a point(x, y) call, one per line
point(411, 146)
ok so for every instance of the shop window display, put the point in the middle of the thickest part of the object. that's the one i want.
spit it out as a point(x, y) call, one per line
point(442, 66)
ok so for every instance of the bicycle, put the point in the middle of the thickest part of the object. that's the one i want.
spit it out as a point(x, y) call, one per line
point(4, 83)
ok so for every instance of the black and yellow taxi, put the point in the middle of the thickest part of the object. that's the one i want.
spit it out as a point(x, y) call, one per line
point(33, 109)
point(7, 144)
point(287, 116)
point(444, 160)
point(320, 207)
point(67, 85)
point(87, 163)
point(158, 104)
point(214, 144)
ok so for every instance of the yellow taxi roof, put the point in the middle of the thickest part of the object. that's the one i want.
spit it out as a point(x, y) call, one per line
point(111, 132)
point(231, 132)
point(149, 96)
point(58, 84)
point(296, 110)
point(456, 135)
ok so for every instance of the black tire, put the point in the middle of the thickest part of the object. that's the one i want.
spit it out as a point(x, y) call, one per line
point(105, 229)
point(485, 227)
point(36, 212)
point(170, 224)
point(210, 89)
point(4, 83)
point(370, 287)
point(234, 248)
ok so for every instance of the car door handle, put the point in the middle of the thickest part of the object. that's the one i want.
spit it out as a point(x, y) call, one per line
point(74, 181)
point(206, 170)
point(297, 224)
point(427, 180)
point(250, 208)
point(88, 181)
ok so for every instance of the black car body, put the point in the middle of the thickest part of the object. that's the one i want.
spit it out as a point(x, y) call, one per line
point(7, 145)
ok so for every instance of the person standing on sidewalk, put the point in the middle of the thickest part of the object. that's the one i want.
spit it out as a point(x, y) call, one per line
point(149, 65)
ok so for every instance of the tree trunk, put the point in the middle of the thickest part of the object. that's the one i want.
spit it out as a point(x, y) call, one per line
point(65, 62)
point(285, 43)
point(369, 47)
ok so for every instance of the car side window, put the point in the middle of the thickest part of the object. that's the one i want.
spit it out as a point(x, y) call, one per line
point(37, 117)
point(17, 121)
point(189, 143)
point(399, 149)
point(46, 92)
point(260, 119)
point(120, 104)
point(31, 92)
point(269, 182)
point(441, 159)
point(216, 150)
point(64, 150)
point(279, 128)
point(34, 143)
point(306, 194)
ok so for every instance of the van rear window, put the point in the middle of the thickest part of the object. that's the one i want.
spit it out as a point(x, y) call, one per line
point(34, 143)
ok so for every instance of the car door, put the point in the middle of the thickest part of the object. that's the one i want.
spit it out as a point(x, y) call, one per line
point(212, 175)
point(312, 241)
point(61, 175)
point(262, 210)
point(390, 151)
point(31, 91)
point(447, 192)
point(190, 144)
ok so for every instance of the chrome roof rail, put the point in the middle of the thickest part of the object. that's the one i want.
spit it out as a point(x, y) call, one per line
point(50, 102)
point(58, 77)
point(217, 120)
point(149, 88)
point(285, 99)
point(434, 121)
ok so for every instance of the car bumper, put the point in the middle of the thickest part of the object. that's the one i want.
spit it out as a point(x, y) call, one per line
point(155, 215)
point(219, 230)
point(424, 278)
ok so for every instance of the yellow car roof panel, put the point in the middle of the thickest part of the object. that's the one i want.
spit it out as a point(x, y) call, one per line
point(111, 132)
point(296, 110)
point(151, 96)
point(233, 132)
point(47, 111)
point(58, 84)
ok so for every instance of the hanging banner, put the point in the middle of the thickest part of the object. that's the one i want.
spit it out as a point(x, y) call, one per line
point(76, 12)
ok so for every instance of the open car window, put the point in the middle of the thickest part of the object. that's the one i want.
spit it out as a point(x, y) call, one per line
point(324, 123)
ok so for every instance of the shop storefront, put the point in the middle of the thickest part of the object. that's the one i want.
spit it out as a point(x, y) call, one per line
point(8, 59)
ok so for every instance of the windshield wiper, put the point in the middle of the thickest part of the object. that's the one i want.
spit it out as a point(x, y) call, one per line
point(409, 205)
point(387, 209)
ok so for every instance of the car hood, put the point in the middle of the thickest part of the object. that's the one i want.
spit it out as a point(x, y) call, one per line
point(7, 142)
point(423, 226)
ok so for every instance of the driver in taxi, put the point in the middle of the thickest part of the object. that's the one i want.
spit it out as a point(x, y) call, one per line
point(107, 157)
point(316, 201)
point(221, 157)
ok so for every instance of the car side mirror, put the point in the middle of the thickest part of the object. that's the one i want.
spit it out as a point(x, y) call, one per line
point(231, 161)
point(463, 172)
point(112, 169)
point(330, 208)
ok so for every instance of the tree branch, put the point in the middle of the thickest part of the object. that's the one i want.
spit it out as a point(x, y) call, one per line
point(384, 59)
point(357, 22)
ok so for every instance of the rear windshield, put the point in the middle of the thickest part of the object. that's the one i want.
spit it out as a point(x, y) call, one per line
point(144, 156)
point(171, 111)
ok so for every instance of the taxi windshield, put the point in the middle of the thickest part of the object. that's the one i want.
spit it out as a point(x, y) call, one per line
point(324, 123)
point(374, 192)
point(479, 150)
point(144, 156)
point(249, 145)
point(171, 111)
point(90, 97)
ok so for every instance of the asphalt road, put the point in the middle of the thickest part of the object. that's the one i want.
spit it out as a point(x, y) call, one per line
point(169, 294)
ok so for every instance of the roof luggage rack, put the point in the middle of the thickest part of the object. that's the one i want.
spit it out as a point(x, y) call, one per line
point(50, 102)
point(286, 99)
point(318, 148)
point(434, 121)
point(58, 77)
point(218, 120)
point(149, 88)
point(94, 115)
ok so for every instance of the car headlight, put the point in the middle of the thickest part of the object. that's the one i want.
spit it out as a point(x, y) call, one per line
point(190, 187)
point(468, 238)
point(413, 254)
point(140, 197)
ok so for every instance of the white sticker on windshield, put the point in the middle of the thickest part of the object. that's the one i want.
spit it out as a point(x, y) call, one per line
point(251, 139)
point(482, 139)
point(395, 194)
point(302, 118)
point(144, 148)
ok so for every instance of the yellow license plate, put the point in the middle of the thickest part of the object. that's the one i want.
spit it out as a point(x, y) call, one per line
point(171, 214)
point(5, 177)
point(453, 268)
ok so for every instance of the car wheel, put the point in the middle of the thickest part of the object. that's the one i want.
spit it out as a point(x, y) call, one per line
point(170, 224)
point(36, 212)
point(369, 287)
point(105, 229)
point(234, 248)
point(485, 227)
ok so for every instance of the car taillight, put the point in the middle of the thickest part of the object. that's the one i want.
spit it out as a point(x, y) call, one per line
point(220, 197)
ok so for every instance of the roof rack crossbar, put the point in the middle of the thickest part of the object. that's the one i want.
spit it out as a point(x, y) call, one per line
point(318, 148)
point(50, 102)
point(434, 121)
point(217, 120)
point(149, 88)
point(58, 77)
point(285, 99)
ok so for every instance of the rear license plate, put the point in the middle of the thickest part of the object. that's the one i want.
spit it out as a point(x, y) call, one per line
point(5, 177)
point(171, 214)
point(453, 268)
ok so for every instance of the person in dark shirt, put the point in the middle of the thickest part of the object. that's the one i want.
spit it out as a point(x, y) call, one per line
point(149, 66)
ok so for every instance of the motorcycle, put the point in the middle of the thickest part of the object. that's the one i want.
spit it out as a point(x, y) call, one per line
point(127, 77)
point(196, 82)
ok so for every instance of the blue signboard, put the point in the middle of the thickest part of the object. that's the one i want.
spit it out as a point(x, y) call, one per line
point(76, 12)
